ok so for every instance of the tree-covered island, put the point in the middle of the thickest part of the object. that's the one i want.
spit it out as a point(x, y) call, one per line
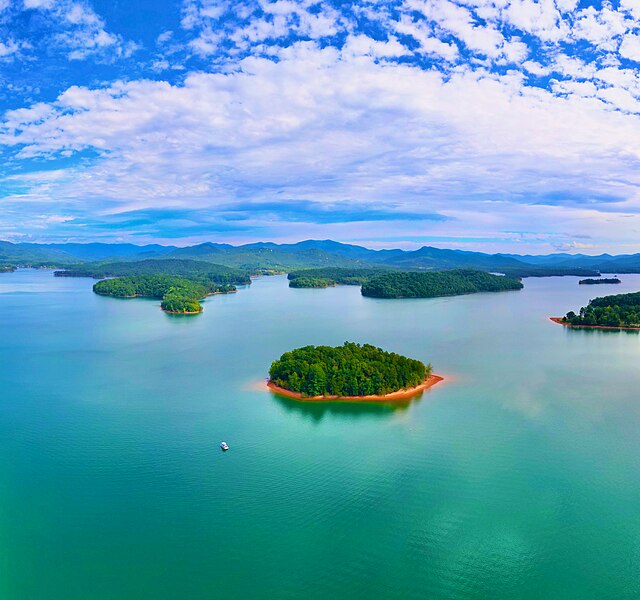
point(620, 311)
point(350, 371)
point(611, 280)
point(434, 284)
point(178, 294)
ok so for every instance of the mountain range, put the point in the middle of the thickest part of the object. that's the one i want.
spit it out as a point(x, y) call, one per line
point(320, 253)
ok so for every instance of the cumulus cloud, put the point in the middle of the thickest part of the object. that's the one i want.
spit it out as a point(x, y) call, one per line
point(461, 118)
point(320, 127)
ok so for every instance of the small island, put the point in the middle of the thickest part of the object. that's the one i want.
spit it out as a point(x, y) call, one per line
point(349, 372)
point(180, 296)
point(611, 280)
point(436, 284)
point(621, 311)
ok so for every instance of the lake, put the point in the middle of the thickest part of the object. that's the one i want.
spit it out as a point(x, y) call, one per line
point(519, 477)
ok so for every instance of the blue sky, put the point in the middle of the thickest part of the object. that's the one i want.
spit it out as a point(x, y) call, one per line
point(498, 125)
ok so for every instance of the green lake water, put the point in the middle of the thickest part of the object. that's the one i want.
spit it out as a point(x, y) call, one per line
point(517, 478)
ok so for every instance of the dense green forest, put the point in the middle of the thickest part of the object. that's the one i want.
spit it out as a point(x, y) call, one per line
point(431, 285)
point(311, 282)
point(178, 294)
point(196, 270)
point(348, 370)
point(337, 275)
point(621, 310)
point(598, 281)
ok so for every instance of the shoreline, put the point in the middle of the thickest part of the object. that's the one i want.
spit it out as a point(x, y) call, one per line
point(393, 396)
point(559, 321)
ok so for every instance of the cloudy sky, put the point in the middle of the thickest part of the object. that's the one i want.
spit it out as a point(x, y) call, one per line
point(497, 125)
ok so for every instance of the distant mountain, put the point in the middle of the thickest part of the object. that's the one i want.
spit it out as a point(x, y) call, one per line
point(605, 263)
point(268, 256)
point(33, 255)
point(100, 251)
point(278, 257)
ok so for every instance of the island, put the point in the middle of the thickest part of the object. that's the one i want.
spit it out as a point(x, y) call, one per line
point(435, 284)
point(179, 295)
point(611, 280)
point(620, 311)
point(349, 372)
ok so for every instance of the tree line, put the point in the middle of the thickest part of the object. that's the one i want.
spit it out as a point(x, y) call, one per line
point(599, 281)
point(311, 282)
point(194, 270)
point(337, 276)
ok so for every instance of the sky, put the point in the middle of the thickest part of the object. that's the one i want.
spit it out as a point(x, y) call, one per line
point(492, 125)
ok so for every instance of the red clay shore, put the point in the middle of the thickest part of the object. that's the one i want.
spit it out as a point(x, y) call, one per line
point(559, 321)
point(392, 397)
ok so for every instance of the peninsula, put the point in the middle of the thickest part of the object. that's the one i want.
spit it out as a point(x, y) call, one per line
point(179, 295)
point(179, 283)
point(620, 311)
point(349, 372)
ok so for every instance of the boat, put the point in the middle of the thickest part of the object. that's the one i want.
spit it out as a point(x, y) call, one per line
point(224, 446)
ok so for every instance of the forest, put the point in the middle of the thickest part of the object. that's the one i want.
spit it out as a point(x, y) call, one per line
point(178, 294)
point(434, 284)
point(598, 281)
point(311, 282)
point(348, 370)
point(620, 310)
point(337, 275)
point(194, 270)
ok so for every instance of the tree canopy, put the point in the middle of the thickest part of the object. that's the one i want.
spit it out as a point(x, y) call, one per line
point(620, 310)
point(433, 284)
point(337, 275)
point(347, 370)
point(193, 270)
point(311, 282)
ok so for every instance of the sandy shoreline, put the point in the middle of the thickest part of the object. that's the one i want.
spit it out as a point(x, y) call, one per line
point(393, 396)
point(559, 321)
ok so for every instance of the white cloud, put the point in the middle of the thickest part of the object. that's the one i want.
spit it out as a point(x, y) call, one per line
point(71, 25)
point(321, 126)
point(362, 45)
point(447, 106)
point(630, 47)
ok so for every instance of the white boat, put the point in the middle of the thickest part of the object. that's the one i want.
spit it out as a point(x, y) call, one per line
point(224, 446)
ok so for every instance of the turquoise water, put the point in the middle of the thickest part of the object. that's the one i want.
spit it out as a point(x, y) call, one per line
point(518, 478)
